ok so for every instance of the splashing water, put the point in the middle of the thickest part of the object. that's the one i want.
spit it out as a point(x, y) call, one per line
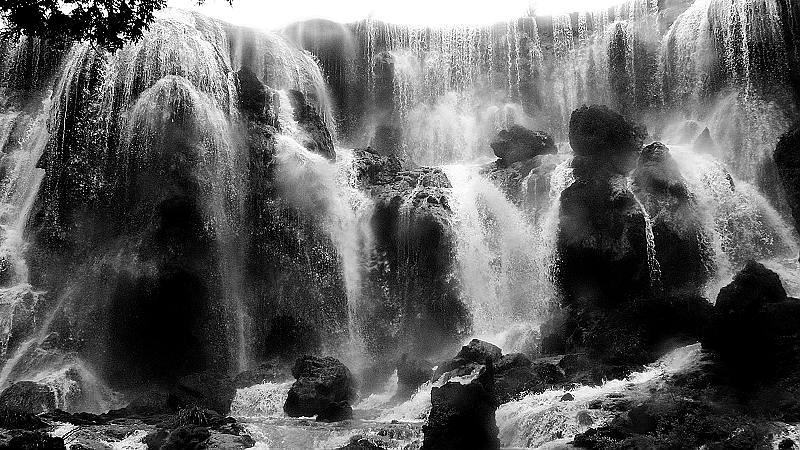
point(741, 221)
point(539, 419)
point(502, 262)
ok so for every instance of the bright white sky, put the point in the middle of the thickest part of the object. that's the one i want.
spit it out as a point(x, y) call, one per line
point(277, 13)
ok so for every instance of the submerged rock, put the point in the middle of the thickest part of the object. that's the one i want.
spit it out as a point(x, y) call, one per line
point(463, 415)
point(518, 143)
point(321, 381)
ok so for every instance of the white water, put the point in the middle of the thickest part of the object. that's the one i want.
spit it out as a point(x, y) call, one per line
point(316, 185)
point(742, 223)
point(502, 263)
point(539, 419)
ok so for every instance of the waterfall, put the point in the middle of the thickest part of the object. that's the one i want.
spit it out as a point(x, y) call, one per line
point(502, 260)
point(313, 183)
point(652, 258)
point(741, 221)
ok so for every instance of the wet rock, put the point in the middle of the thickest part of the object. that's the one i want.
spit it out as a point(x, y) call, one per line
point(197, 416)
point(16, 419)
point(516, 375)
point(584, 419)
point(480, 351)
point(602, 242)
point(359, 443)
point(414, 234)
point(518, 143)
point(33, 440)
point(463, 415)
point(567, 397)
point(411, 374)
point(320, 382)
point(679, 234)
point(317, 137)
point(28, 397)
point(606, 136)
point(787, 160)
point(205, 390)
point(335, 412)
point(471, 357)
point(255, 99)
point(150, 403)
point(185, 438)
point(755, 328)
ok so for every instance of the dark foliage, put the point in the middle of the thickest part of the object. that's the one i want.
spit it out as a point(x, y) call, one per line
point(109, 23)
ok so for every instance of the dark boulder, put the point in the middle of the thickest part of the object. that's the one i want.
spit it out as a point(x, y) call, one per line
point(411, 374)
point(480, 351)
point(205, 390)
point(150, 403)
point(28, 397)
point(335, 412)
point(598, 132)
point(316, 136)
point(463, 415)
point(681, 244)
point(516, 375)
point(34, 440)
point(359, 443)
point(518, 143)
point(320, 381)
point(755, 328)
point(18, 420)
point(787, 159)
point(471, 357)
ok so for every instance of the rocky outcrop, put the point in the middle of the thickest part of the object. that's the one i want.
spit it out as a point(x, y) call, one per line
point(320, 382)
point(514, 374)
point(518, 143)
point(606, 136)
point(315, 135)
point(415, 239)
point(256, 101)
point(787, 159)
point(755, 327)
point(681, 244)
point(28, 397)
point(462, 414)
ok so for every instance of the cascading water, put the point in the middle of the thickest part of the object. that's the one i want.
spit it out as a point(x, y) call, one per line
point(502, 262)
point(743, 224)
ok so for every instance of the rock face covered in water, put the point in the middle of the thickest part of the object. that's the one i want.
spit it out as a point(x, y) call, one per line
point(415, 238)
point(607, 270)
point(321, 383)
point(681, 246)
